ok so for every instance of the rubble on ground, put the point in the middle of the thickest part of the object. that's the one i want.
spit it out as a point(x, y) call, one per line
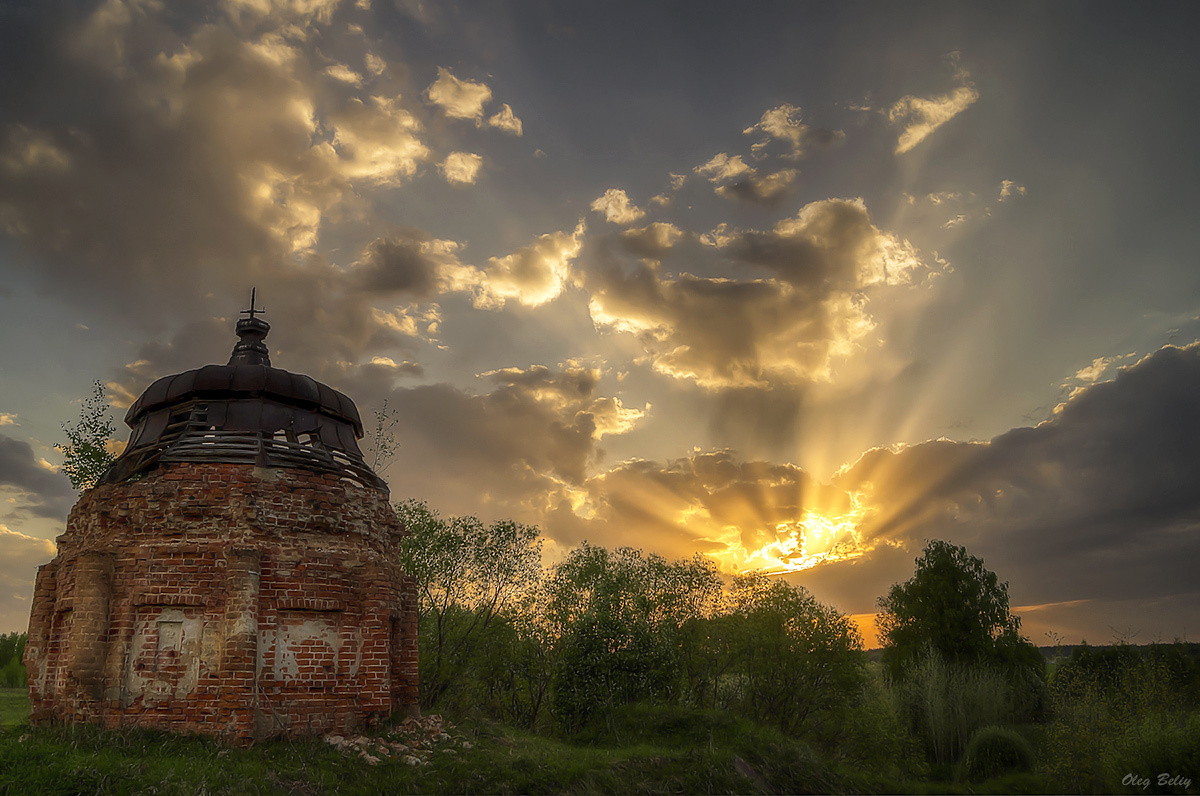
point(412, 742)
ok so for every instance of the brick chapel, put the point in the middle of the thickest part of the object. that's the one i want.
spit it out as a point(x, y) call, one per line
point(234, 572)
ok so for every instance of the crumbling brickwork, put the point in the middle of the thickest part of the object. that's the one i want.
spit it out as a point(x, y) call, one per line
point(226, 599)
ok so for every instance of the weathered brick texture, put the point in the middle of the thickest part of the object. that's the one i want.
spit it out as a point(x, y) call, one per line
point(225, 599)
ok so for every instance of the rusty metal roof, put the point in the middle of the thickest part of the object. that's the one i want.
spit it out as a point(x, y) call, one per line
point(244, 412)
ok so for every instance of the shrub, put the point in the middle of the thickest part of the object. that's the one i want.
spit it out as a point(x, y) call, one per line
point(12, 674)
point(944, 703)
point(1118, 712)
point(995, 751)
point(1159, 745)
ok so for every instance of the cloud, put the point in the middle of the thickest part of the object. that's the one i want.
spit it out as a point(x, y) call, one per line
point(461, 167)
point(920, 116)
point(521, 447)
point(20, 555)
point(409, 262)
point(746, 514)
point(374, 64)
point(217, 160)
point(654, 240)
point(8, 419)
point(279, 11)
point(783, 124)
point(506, 121)
point(1010, 189)
point(40, 491)
point(722, 167)
point(760, 189)
point(458, 99)
point(736, 180)
point(617, 208)
point(723, 333)
point(345, 74)
point(1100, 499)
point(1092, 373)
point(533, 274)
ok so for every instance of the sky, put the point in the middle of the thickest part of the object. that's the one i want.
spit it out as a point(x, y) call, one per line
point(797, 286)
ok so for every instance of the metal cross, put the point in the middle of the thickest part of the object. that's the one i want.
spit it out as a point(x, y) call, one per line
point(251, 311)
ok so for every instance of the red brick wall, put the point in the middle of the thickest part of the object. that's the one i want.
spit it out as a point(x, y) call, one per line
point(225, 599)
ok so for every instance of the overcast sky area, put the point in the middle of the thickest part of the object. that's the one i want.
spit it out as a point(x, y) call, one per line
point(796, 286)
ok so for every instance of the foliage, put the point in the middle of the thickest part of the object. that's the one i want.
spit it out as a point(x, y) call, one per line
point(619, 621)
point(382, 437)
point(1120, 710)
point(953, 604)
point(795, 656)
point(468, 573)
point(86, 455)
point(12, 672)
point(995, 751)
point(944, 702)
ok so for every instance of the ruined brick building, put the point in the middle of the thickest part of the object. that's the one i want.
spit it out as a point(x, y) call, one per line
point(234, 572)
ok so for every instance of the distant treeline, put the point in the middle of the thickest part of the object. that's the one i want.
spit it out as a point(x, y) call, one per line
point(12, 647)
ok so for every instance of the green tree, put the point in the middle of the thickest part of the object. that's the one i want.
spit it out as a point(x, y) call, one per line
point(953, 604)
point(86, 455)
point(796, 657)
point(468, 574)
point(619, 619)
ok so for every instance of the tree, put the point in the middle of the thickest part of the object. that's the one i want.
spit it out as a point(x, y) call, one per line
point(382, 437)
point(952, 604)
point(796, 657)
point(468, 574)
point(618, 619)
point(86, 455)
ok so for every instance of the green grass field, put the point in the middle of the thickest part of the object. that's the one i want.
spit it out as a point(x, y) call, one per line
point(498, 760)
point(14, 706)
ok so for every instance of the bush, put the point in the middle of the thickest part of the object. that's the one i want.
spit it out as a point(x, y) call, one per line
point(12, 674)
point(993, 752)
point(945, 703)
point(1160, 745)
point(1120, 711)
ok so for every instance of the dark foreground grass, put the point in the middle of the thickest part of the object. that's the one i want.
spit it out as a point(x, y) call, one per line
point(649, 750)
point(86, 760)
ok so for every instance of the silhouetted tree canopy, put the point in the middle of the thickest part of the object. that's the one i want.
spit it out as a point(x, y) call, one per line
point(953, 604)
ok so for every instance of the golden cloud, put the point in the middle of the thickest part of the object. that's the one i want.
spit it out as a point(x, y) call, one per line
point(459, 99)
point(617, 208)
point(920, 116)
point(461, 167)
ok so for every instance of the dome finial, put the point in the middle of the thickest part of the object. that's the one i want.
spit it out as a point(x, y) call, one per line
point(250, 348)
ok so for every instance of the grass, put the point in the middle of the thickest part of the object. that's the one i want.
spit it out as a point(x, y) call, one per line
point(14, 706)
point(483, 757)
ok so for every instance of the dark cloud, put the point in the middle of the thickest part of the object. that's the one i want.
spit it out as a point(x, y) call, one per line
point(760, 189)
point(726, 333)
point(829, 246)
point(44, 493)
point(161, 156)
point(1099, 499)
point(520, 446)
point(399, 264)
point(655, 240)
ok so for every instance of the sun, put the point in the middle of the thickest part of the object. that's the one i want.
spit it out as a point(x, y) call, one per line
point(815, 537)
